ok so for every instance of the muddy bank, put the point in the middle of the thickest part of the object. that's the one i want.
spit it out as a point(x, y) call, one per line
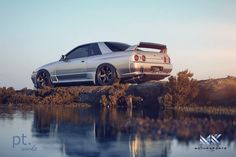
point(180, 92)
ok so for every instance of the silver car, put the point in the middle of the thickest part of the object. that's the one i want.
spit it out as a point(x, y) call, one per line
point(104, 63)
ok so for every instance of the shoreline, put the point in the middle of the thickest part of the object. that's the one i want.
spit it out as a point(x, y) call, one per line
point(228, 111)
point(216, 96)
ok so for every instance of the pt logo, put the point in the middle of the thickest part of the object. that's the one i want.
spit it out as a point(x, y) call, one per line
point(22, 143)
point(210, 140)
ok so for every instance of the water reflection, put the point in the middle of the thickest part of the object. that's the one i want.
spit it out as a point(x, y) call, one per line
point(122, 132)
point(111, 132)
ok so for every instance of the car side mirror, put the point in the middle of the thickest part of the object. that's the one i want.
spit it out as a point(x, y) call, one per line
point(63, 58)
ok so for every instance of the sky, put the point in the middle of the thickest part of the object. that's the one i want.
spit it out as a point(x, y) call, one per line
point(200, 35)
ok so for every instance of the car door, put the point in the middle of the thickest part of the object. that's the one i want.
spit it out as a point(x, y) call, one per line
point(73, 67)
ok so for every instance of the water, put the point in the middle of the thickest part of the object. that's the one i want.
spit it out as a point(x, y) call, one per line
point(70, 132)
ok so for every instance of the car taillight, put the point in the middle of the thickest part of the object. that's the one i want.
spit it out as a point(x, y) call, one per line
point(165, 59)
point(143, 58)
point(136, 57)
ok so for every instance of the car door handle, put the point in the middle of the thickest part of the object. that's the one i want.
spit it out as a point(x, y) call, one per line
point(82, 61)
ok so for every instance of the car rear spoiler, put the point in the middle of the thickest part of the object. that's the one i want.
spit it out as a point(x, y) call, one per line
point(149, 45)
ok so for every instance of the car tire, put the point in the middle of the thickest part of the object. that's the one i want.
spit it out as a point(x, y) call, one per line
point(43, 79)
point(106, 75)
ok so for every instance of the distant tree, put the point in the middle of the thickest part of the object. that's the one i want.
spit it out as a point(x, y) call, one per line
point(181, 90)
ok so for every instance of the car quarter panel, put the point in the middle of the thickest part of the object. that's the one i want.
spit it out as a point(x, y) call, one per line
point(119, 60)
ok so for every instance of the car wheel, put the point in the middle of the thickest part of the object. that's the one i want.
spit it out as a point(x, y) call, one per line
point(106, 75)
point(43, 79)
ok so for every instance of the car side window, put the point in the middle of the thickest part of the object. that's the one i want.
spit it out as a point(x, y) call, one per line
point(81, 51)
point(94, 50)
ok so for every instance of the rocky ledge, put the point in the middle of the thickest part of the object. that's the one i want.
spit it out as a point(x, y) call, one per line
point(179, 92)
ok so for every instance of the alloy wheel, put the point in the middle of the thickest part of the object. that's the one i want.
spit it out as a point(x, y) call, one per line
point(105, 75)
point(42, 79)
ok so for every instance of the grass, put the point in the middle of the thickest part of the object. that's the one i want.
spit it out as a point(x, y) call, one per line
point(212, 110)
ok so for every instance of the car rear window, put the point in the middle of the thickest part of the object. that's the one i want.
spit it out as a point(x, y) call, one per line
point(114, 46)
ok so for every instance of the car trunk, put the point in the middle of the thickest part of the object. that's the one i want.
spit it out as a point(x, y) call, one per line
point(154, 53)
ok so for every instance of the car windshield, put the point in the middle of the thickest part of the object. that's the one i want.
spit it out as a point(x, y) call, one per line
point(114, 46)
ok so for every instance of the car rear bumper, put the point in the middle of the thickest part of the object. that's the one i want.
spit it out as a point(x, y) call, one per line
point(149, 71)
